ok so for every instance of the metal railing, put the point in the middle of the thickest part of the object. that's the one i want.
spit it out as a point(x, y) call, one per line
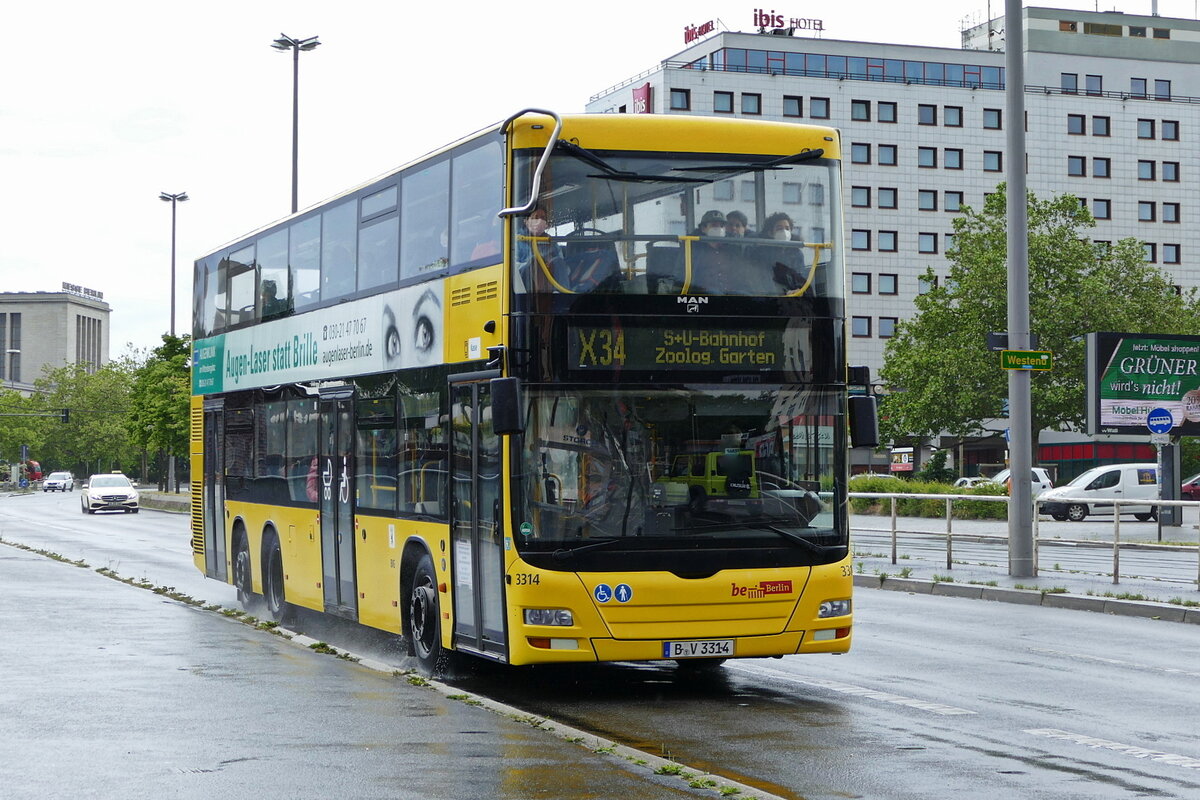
point(948, 534)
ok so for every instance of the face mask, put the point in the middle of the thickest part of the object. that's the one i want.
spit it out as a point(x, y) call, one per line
point(536, 226)
point(716, 233)
point(783, 236)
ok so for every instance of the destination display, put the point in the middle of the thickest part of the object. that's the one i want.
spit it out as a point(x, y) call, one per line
point(648, 349)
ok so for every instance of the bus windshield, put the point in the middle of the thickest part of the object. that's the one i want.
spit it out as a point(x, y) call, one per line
point(666, 467)
point(658, 223)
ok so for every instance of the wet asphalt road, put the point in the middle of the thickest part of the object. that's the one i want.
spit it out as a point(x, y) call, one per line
point(940, 695)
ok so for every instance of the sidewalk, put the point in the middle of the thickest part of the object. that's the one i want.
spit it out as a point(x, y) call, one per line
point(979, 564)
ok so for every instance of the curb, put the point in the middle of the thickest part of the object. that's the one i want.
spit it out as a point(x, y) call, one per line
point(1104, 605)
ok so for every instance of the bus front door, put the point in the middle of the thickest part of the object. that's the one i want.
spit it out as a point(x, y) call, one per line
point(214, 491)
point(477, 536)
point(336, 501)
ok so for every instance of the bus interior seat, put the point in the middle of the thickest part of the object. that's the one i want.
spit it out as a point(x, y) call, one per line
point(591, 263)
point(664, 262)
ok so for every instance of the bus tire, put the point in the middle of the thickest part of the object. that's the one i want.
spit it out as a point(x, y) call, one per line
point(243, 576)
point(425, 618)
point(278, 607)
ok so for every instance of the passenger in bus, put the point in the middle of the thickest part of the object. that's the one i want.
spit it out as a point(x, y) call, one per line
point(272, 305)
point(784, 264)
point(537, 255)
point(737, 226)
point(714, 265)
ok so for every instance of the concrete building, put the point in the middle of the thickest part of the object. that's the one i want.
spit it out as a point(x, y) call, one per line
point(51, 329)
point(1110, 118)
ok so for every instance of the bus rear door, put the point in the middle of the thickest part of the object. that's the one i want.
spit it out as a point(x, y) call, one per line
point(336, 501)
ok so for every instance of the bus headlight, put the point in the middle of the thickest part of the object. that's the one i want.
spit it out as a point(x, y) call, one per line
point(549, 616)
point(834, 608)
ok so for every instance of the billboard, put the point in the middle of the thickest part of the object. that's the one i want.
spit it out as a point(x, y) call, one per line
point(1131, 374)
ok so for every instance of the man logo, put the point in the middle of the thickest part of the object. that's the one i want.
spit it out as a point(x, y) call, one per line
point(693, 303)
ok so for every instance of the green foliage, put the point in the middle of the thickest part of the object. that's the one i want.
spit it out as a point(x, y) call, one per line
point(95, 440)
point(939, 371)
point(934, 470)
point(924, 507)
point(159, 398)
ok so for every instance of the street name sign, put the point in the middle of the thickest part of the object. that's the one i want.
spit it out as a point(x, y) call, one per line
point(1026, 359)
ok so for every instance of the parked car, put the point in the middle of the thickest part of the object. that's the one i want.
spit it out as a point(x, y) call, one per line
point(1190, 489)
point(108, 492)
point(1039, 479)
point(59, 482)
point(1094, 491)
point(968, 483)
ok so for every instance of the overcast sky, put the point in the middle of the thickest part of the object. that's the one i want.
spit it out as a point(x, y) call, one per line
point(105, 104)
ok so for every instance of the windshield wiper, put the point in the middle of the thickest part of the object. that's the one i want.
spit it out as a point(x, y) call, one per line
point(612, 173)
point(809, 545)
point(778, 163)
point(563, 553)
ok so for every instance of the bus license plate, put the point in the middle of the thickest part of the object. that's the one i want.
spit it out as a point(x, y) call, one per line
point(708, 648)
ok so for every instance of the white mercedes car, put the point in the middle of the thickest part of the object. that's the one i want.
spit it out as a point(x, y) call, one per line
point(108, 492)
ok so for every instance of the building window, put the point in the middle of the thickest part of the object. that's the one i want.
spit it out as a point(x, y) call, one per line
point(927, 242)
point(1150, 252)
point(860, 110)
point(860, 327)
point(1076, 124)
point(1069, 81)
point(751, 104)
point(1065, 26)
point(952, 116)
point(723, 102)
point(1103, 247)
point(1146, 211)
point(1137, 87)
point(860, 196)
point(1170, 130)
point(1145, 170)
point(887, 327)
point(860, 282)
point(927, 200)
point(1170, 253)
point(1101, 209)
point(888, 241)
point(681, 99)
point(1138, 31)
point(1145, 128)
point(1162, 90)
point(1094, 84)
point(1101, 168)
point(927, 114)
point(889, 283)
point(888, 155)
point(860, 240)
point(793, 106)
point(792, 193)
point(926, 285)
point(885, 112)
point(993, 161)
point(1170, 171)
point(1101, 126)
point(993, 119)
point(723, 191)
point(1162, 33)
point(860, 153)
point(952, 158)
point(818, 107)
point(953, 201)
point(888, 197)
point(927, 157)
point(1170, 212)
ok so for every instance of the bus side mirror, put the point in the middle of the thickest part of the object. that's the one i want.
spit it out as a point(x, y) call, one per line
point(864, 421)
point(507, 406)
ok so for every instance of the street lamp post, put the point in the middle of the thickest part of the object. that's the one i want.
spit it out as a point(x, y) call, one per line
point(173, 199)
point(283, 44)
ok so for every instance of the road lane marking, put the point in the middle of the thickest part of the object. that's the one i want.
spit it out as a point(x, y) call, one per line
point(1116, 662)
point(1187, 762)
point(857, 691)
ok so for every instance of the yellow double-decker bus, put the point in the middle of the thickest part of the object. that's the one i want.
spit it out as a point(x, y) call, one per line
point(532, 397)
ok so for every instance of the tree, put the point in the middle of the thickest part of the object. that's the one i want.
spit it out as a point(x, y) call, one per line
point(96, 438)
point(937, 367)
point(160, 396)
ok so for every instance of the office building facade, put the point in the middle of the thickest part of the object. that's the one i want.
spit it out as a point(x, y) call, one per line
point(50, 329)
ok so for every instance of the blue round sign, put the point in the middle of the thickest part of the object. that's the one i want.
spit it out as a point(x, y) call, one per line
point(1160, 420)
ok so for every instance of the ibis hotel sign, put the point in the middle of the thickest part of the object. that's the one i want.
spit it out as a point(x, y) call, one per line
point(1129, 375)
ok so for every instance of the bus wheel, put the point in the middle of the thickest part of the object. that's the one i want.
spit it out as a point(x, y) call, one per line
point(424, 617)
point(278, 608)
point(243, 580)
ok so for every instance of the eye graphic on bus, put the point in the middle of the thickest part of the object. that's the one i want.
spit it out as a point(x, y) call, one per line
point(425, 330)
point(391, 336)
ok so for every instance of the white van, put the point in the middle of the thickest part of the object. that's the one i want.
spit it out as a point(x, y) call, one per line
point(1093, 492)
